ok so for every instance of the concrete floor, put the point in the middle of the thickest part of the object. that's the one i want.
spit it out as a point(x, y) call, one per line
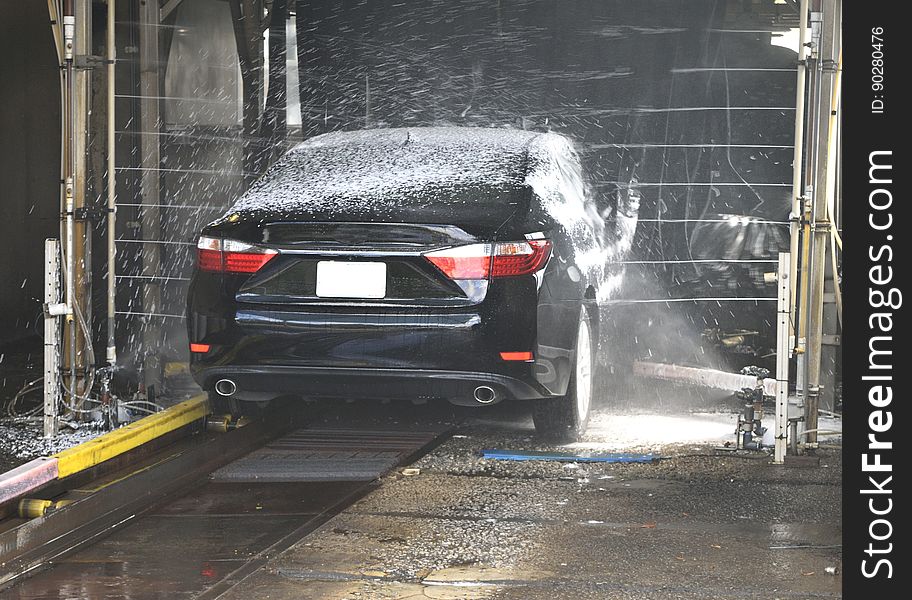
point(697, 525)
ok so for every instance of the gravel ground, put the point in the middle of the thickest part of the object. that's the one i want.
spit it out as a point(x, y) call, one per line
point(21, 442)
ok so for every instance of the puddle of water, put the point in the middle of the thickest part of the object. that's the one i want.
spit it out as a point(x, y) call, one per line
point(616, 432)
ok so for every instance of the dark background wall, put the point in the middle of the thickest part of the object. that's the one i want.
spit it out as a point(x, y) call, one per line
point(29, 161)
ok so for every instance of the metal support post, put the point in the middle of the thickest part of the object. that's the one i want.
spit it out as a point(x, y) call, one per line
point(150, 217)
point(52, 312)
point(82, 267)
point(831, 293)
point(782, 357)
point(69, 50)
point(75, 233)
point(797, 164)
point(828, 57)
point(248, 32)
point(111, 353)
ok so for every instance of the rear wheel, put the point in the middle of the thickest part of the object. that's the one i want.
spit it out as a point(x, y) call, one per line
point(565, 418)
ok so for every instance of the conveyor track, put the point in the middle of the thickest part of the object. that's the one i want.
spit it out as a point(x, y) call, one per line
point(200, 515)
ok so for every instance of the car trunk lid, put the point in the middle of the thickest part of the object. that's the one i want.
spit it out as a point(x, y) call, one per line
point(380, 264)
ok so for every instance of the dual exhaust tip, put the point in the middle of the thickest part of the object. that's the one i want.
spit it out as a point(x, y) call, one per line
point(483, 394)
point(225, 388)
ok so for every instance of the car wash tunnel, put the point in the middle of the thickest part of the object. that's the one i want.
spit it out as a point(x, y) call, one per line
point(428, 299)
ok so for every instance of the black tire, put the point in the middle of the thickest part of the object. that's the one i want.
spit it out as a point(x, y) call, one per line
point(559, 419)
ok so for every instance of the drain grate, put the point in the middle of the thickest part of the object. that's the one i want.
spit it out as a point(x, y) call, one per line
point(327, 455)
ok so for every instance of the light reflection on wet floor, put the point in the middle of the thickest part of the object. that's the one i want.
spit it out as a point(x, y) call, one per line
point(186, 546)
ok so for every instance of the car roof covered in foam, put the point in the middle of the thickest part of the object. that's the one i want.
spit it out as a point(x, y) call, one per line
point(342, 169)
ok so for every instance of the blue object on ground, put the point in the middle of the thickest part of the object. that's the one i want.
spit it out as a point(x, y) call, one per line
point(568, 456)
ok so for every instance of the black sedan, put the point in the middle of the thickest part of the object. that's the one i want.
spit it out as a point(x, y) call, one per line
point(433, 263)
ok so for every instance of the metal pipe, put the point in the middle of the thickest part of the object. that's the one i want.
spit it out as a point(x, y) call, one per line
point(150, 120)
point(828, 55)
point(793, 437)
point(805, 226)
point(82, 234)
point(801, 310)
point(797, 187)
point(111, 353)
point(54, 13)
point(69, 40)
point(52, 341)
point(833, 170)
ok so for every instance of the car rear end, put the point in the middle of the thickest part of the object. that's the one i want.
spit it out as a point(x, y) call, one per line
point(387, 264)
point(324, 308)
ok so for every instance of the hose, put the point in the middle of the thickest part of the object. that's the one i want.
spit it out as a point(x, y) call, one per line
point(90, 353)
point(142, 410)
point(820, 432)
point(136, 403)
point(29, 387)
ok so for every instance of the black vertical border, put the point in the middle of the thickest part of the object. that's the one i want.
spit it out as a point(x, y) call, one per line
point(864, 132)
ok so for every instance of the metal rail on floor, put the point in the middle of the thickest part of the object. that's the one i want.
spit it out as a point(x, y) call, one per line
point(95, 506)
point(232, 466)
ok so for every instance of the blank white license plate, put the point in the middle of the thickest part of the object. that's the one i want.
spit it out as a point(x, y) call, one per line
point(338, 279)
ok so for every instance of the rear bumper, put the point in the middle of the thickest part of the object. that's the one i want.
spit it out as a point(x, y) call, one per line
point(340, 382)
point(386, 352)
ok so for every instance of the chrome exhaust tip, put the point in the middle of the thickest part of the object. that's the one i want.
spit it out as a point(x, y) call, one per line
point(225, 387)
point(484, 394)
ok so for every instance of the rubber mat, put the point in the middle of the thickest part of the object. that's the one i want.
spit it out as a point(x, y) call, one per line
point(327, 455)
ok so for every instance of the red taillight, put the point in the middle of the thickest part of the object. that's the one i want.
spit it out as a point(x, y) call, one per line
point(199, 348)
point(209, 260)
point(246, 262)
point(519, 258)
point(231, 256)
point(503, 259)
point(463, 262)
point(519, 356)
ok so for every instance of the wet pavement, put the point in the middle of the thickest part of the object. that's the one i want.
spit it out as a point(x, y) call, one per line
point(697, 527)
point(697, 524)
point(187, 546)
